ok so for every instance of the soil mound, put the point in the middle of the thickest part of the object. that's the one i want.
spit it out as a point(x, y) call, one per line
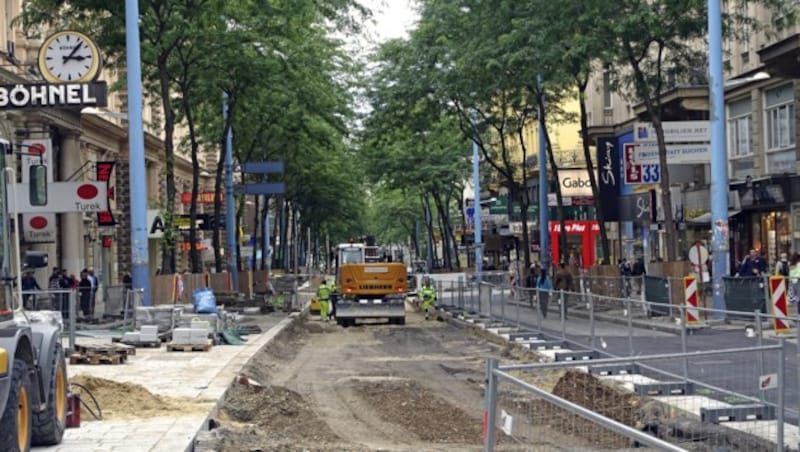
point(120, 400)
point(280, 415)
point(418, 410)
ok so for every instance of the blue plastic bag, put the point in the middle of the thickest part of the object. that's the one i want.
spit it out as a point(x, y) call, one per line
point(204, 301)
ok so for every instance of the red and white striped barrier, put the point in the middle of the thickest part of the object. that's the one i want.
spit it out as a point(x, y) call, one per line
point(780, 307)
point(690, 300)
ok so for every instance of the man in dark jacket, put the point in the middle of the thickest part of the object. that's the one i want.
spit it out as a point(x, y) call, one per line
point(564, 283)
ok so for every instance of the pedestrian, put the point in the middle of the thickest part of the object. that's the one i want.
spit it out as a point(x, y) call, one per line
point(333, 297)
point(85, 294)
point(323, 293)
point(782, 266)
point(626, 272)
point(95, 287)
point(752, 265)
point(794, 279)
point(543, 286)
point(428, 296)
point(54, 285)
point(564, 283)
point(530, 282)
point(512, 280)
point(29, 284)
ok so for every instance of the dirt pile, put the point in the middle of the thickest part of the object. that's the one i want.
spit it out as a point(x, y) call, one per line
point(421, 412)
point(589, 392)
point(253, 416)
point(119, 400)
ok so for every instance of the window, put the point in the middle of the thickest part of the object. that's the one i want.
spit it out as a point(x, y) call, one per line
point(739, 136)
point(608, 81)
point(740, 125)
point(779, 129)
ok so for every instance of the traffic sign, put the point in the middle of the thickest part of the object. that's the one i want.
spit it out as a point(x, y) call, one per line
point(261, 167)
point(272, 188)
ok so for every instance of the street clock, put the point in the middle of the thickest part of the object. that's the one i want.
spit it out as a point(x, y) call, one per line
point(69, 57)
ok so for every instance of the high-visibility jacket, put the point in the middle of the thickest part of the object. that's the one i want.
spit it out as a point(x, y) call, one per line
point(332, 286)
point(323, 292)
point(428, 294)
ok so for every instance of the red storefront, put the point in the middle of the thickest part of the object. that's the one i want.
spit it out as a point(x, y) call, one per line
point(581, 242)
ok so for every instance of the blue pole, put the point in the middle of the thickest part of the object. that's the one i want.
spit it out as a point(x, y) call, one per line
point(719, 160)
point(140, 272)
point(544, 215)
point(476, 181)
point(230, 212)
point(266, 235)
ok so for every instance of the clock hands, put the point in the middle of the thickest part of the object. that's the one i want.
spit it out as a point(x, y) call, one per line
point(72, 56)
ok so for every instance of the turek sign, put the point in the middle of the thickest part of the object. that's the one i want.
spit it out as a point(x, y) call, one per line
point(575, 182)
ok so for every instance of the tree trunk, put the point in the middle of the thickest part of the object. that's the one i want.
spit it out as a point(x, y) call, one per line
point(168, 241)
point(562, 236)
point(587, 154)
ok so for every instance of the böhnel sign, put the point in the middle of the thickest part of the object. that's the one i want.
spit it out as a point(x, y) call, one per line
point(43, 95)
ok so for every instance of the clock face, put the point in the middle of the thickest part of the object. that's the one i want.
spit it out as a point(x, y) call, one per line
point(69, 56)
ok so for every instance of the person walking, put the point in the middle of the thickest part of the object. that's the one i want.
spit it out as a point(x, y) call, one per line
point(530, 282)
point(333, 297)
point(54, 284)
point(794, 279)
point(564, 283)
point(323, 293)
point(92, 299)
point(29, 284)
point(85, 294)
point(626, 272)
point(782, 266)
point(752, 265)
point(428, 296)
point(544, 286)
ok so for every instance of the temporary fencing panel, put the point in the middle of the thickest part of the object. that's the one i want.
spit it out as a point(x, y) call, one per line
point(744, 294)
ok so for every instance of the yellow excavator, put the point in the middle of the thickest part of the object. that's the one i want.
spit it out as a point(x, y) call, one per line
point(368, 287)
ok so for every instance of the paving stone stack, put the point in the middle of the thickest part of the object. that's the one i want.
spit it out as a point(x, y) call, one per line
point(195, 334)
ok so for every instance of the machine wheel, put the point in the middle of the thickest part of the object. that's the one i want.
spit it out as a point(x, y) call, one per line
point(48, 426)
point(15, 424)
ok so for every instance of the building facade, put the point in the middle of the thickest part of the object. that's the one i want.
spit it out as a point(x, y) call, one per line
point(761, 129)
point(87, 144)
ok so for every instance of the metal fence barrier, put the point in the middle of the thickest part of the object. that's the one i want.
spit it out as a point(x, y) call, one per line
point(564, 406)
point(60, 301)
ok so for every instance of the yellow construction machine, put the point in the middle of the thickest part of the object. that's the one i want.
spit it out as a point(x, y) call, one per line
point(368, 287)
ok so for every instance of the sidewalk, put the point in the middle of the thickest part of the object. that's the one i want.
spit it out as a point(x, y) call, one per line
point(200, 376)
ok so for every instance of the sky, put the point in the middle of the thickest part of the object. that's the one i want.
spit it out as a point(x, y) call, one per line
point(391, 19)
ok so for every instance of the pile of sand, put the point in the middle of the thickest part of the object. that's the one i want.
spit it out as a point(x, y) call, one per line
point(119, 400)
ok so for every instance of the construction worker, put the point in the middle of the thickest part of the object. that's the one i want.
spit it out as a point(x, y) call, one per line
point(333, 297)
point(323, 293)
point(428, 297)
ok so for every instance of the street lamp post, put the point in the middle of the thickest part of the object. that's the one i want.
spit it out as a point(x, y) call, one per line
point(140, 273)
point(544, 217)
point(476, 181)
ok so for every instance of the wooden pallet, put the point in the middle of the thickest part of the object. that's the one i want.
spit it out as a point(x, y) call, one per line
point(188, 347)
point(138, 344)
point(110, 349)
point(79, 358)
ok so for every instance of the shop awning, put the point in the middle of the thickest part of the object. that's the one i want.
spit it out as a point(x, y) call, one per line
point(706, 217)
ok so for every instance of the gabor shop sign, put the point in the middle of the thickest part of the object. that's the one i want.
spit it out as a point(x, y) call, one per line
point(575, 182)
